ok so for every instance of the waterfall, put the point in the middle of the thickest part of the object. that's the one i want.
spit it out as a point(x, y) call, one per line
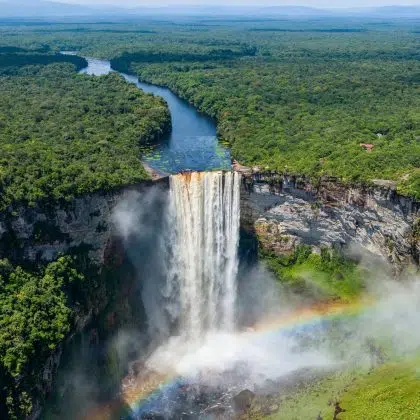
point(204, 218)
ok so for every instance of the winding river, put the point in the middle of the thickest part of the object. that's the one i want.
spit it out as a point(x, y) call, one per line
point(192, 143)
point(196, 288)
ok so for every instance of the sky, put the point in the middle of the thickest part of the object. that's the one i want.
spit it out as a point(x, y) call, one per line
point(311, 3)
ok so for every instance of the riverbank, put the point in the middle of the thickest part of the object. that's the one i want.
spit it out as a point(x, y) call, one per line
point(190, 145)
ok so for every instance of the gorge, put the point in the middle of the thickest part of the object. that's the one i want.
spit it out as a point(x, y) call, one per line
point(174, 248)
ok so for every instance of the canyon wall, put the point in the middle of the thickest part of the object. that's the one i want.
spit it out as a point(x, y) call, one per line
point(41, 233)
point(85, 228)
point(281, 212)
point(284, 212)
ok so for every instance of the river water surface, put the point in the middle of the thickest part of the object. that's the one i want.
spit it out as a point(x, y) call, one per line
point(192, 143)
point(195, 289)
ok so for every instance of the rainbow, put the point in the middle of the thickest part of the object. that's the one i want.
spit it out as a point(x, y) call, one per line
point(142, 394)
point(312, 315)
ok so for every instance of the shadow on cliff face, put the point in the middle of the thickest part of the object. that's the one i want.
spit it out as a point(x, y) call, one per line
point(89, 376)
point(97, 358)
point(141, 221)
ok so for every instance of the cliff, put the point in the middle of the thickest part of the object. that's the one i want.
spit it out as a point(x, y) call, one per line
point(108, 299)
point(282, 212)
point(39, 234)
point(286, 211)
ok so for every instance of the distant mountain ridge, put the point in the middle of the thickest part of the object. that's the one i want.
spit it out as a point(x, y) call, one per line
point(45, 8)
point(41, 8)
point(393, 11)
point(219, 10)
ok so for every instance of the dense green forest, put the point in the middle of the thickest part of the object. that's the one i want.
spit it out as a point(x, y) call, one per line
point(306, 108)
point(35, 316)
point(309, 118)
point(13, 58)
point(63, 134)
point(291, 96)
point(294, 96)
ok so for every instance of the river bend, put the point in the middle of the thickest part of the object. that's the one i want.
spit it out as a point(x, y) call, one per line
point(192, 143)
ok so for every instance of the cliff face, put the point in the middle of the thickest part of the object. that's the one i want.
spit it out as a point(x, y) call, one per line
point(39, 234)
point(285, 212)
point(282, 212)
point(85, 228)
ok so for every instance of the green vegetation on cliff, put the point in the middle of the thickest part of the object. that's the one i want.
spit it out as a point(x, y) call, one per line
point(326, 275)
point(35, 316)
point(63, 134)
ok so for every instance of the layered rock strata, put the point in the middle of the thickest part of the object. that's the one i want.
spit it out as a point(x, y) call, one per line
point(284, 212)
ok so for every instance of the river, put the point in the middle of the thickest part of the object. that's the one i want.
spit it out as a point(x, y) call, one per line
point(204, 228)
point(188, 279)
point(192, 143)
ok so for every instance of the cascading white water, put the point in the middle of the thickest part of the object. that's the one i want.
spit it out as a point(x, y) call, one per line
point(204, 219)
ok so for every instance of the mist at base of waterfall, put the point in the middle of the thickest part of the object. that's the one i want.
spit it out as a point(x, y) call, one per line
point(203, 377)
point(195, 369)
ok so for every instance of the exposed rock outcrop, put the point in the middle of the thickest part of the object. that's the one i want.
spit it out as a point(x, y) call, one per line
point(39, 234)
point(243, 400)
point(285, 212)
